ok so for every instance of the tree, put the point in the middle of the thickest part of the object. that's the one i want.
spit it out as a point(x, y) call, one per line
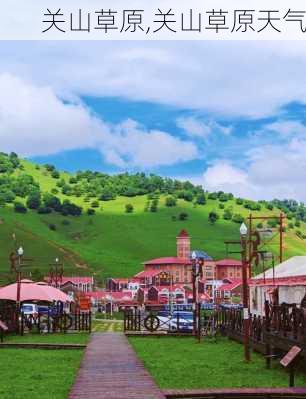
point(170, 201)
point(95, 204)
point(213, 217)
point(19, 207)
point(90, 211)
point(183, 216)
point(55, 174)
point(34, 200)
point(239, 201)
point(213, 196)
point(129, 208)
point(237, 218)
point(201, 199)
point(227, 214)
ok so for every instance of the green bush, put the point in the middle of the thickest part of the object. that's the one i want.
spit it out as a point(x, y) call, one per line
point(19, 207)
point(129, 208)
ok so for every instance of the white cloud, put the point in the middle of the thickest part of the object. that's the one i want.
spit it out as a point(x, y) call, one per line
point(194, 127)
point(275, 171)
point(35, 121)
point(229, 78)
point(286, 128)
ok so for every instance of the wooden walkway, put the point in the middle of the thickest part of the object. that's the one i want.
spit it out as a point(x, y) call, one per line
point(111, 370)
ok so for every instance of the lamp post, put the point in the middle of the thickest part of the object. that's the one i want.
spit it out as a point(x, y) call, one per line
point(196, 272)
point(246, 321)
point(20, 253)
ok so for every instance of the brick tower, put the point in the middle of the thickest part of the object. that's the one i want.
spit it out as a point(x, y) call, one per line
point(183, 245)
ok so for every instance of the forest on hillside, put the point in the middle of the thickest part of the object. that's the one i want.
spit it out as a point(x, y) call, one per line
point(22, 191)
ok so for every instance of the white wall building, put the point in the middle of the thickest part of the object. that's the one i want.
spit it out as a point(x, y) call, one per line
point(287, 284)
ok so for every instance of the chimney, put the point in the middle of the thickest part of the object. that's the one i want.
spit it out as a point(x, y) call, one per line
point(183, 245)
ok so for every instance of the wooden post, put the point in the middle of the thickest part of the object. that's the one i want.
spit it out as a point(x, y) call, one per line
point(199, 321)
point(281, 222)
point(246, 321)
point(291, 376)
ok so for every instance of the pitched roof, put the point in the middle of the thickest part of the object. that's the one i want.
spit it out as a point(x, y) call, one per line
point(230, 286)
point(229, 262)
point(183, 234)
point(147, 273)
point(74, 280)
point(202, 255)
point(171, 260)
point(295, 266)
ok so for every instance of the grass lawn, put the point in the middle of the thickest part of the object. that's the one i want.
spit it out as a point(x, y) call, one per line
point(183, 363)
point(69, 338)
point(37, 374)
point(107, 326)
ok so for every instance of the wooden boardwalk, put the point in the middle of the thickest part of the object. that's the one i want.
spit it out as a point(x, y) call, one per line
point(110, 369)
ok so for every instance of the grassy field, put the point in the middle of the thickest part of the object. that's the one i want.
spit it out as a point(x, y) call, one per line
point(114, 243)
point(182, 363)
point(36, 374)
point(58, 338)
point(107, 326)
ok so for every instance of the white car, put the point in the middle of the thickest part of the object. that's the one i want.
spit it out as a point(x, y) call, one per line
point(29, 309)
point(177, 322)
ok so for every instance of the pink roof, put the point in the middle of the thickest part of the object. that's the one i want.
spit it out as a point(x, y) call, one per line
point(121, 280)
point(229, 262)
point(96, 294)
point(230, 286)
point(147, 273)
point(183, 234)
point(283, 281)
point(168, 261)
point(74, 280)
point(33, 292)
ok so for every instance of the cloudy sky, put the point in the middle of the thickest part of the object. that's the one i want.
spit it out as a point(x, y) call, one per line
point(228, 115)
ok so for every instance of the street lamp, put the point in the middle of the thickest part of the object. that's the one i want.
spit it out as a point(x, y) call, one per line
point(246, 321)
point(196, 272)
point(20, 253)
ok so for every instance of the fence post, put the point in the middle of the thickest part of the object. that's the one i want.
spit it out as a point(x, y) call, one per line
point(199, 321)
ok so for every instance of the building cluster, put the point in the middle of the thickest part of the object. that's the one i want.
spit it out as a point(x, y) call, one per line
point(168, 280)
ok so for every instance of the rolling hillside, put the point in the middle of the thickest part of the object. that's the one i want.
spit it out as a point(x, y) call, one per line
point(113, 242)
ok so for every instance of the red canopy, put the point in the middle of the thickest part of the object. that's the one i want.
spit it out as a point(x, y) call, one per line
point(30, 291)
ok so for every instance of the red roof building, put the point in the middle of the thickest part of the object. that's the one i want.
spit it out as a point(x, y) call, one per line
point(228, 269)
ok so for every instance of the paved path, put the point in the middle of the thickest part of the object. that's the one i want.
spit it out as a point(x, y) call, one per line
point(111, 370)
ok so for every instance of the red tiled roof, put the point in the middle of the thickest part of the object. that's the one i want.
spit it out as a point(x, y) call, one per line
point(284, 281)
point(171, 260)
point(96, 294)
point(229, 262)
point(147, 273)
point(231, 286)
point(74, 280)
point(121, 280)
point(183, 234)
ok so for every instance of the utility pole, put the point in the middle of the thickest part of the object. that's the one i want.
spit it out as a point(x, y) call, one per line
point(56, 273)
point(245, 292)
point(197, 272)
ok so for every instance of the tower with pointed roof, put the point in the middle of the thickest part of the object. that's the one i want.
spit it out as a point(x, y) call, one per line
point(183, 245)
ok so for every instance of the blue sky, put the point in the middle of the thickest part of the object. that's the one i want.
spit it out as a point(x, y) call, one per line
point(228, 116)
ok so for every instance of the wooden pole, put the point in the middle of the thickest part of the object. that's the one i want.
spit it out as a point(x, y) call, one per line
point(246, 321)
point(281, 222)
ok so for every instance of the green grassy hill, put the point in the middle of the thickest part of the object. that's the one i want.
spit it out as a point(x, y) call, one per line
point(113, 242)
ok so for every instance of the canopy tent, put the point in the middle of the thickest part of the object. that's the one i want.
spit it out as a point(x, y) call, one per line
point(30, 291)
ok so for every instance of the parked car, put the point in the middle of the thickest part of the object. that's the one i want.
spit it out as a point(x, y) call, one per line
point(29, 309)
point(177, 321)
point(44, 310)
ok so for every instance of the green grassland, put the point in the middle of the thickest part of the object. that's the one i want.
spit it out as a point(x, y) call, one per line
point(206, 365)
point(37, 373)
point(113, 242)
